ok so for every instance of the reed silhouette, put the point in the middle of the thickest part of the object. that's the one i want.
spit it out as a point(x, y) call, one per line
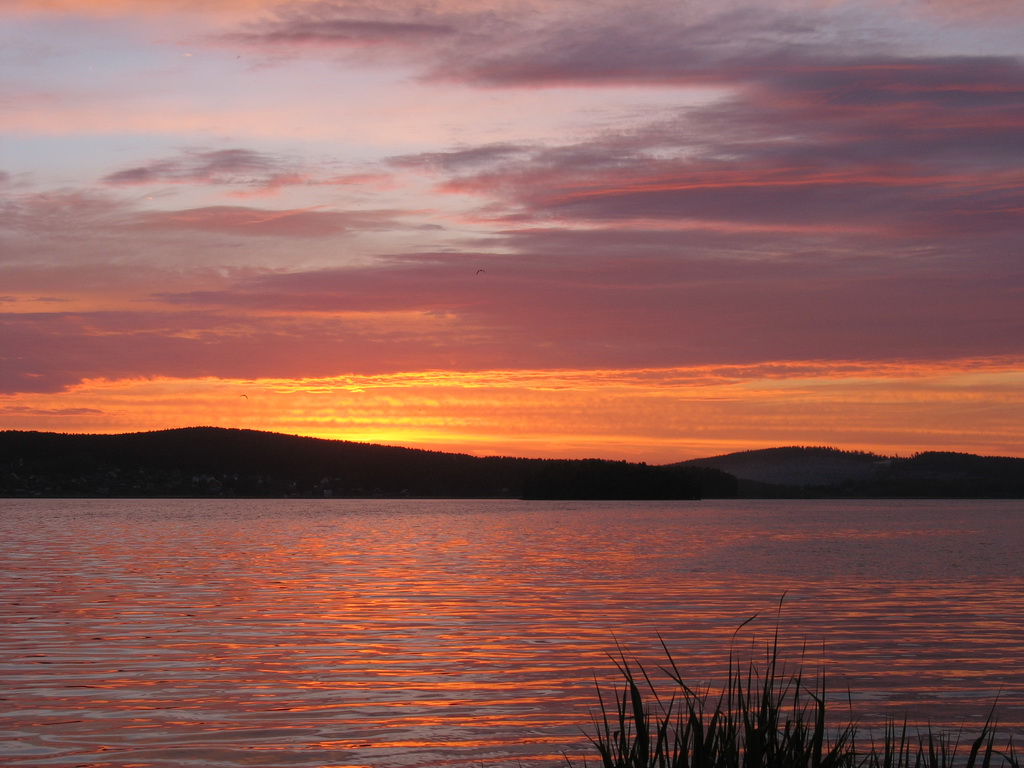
point(766, 715)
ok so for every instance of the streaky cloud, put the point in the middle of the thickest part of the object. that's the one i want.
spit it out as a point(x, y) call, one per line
point(341, 31)
point(457, 160)
point(228, 167)
point(249, 221)
point(899, 147)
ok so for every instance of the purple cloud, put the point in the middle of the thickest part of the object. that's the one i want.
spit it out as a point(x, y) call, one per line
point(324, 29)
point(91, 219)
point(460, 160)
point(819, 128)
point(834, 201)
point(573, 44)
point(249, 221)
point(228, 167)
point(611, 298)
point(603, 304)
point(900, 148)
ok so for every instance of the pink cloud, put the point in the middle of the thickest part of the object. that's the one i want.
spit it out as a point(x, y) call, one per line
point(840, 202)
point(899, 147)
point(339, 29)
point(522, 44)
point(611, 298)
point(65, 211)
point(848, 134)
point(92, 220)
point(227, 167)
point(461, 159)
point(608, 306)
point(248, 221)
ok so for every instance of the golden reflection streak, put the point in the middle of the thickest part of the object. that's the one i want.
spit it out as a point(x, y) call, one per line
point(407, 631)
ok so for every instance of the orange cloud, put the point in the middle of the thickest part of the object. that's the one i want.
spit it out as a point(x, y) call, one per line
point(771, 197)
point(655, 415)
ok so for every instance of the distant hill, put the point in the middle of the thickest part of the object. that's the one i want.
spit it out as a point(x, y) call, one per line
point(215, 462)
point(796, 466)
point(828, 472)
point(209, 461)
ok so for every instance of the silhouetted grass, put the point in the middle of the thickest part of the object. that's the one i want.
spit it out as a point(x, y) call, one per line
point(764, 716)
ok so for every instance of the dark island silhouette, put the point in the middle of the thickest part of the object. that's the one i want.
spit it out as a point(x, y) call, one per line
point(200, 462)
point(212, 462)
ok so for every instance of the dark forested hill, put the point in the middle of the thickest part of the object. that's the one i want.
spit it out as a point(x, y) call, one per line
point(828, 472)
point(208, 461)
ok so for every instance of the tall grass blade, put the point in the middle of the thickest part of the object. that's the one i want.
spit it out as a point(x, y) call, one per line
point(761, 718)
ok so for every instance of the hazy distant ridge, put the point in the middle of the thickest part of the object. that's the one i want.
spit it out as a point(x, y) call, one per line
point(796, 466)
point(799, 471)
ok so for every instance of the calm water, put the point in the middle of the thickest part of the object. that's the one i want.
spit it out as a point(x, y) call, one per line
point(469, 633)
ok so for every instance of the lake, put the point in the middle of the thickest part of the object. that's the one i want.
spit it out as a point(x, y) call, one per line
point(381, 633)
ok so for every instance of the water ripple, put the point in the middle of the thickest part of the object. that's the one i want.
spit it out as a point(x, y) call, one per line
point(369, 633)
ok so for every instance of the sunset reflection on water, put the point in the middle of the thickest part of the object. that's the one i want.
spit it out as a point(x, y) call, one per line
point(440, 633)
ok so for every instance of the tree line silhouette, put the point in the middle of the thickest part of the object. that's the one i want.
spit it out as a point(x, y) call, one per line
point(216, 462)
point(209, 461)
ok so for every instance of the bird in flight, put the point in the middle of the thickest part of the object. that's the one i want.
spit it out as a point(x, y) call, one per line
point(481, 270)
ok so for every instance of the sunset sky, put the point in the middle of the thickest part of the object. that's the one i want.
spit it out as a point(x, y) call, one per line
point(648, 230)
